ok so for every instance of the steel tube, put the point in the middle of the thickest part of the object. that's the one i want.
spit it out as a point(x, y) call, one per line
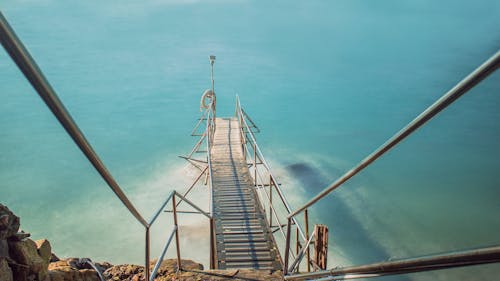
point(147, 254)
point(287, 246)
point(452, 95)
point(155, 216)
point(177, 244)
point(162, 256)
point(32, 72)
point(199, 122)
point(94, 267)
point(306, 219)
point(212, 244)
point(192, 185)
point(300, 255)
point(254, 165)
point(209, 163)
point(192, 205)
point(270, 202)
point(280, 226)
point(419, 264)
point(266, 165)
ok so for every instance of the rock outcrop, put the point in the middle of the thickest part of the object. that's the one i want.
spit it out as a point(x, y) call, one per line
point(22, 259)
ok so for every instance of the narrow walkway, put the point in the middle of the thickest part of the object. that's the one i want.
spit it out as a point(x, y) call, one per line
point(243, 236)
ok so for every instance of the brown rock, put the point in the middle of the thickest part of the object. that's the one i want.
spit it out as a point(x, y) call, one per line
point(57, 264)
point(63, 271)
point(44, 249)
point(54, 258)
point(4, 248)
point(25, 252)
point(124, 272)
point(19, 236)
point(20, 271)
point(70, 274)
point(9, 223)
point(5, 271)
point(55, 275)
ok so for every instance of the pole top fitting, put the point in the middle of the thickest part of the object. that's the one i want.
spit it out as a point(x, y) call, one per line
point(212, 59)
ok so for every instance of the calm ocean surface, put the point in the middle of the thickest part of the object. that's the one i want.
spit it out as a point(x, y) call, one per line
point(326, 81)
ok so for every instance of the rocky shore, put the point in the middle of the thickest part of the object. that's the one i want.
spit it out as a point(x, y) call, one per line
point(22, 259)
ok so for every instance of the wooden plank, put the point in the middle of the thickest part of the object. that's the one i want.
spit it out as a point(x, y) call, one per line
point(321, 245)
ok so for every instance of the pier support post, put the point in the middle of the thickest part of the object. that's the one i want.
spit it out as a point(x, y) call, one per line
point(212, 244)
point(254, 164)
point(287, 246)
point(306, 219)
point(270, 201)
point(146, 266)
point(177, 244)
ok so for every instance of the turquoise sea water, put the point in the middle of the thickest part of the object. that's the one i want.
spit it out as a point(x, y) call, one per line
point(326, 81)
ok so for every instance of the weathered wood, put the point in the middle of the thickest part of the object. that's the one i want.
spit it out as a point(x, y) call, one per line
point(242, 236)
point(321, 245)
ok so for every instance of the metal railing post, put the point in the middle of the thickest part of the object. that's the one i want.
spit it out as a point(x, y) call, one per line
point(287, 246)
point(297, 244)
point(177, 244)
point(146, 266)
point(212, 244)
point(306, 218)
point(270, 201)
point(254, 165)
point(212, 261)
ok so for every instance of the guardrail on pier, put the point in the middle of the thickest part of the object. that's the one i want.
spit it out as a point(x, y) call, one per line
point(32, 72)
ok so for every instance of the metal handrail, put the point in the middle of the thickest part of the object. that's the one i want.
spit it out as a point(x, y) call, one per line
point(265, 163)
point(257, 154)
point(171, 197)
point(479, 74)
point(483, 71)
point(209, 139)
point(35, 76)
point(209, 132)
point(418, 264)
point(32, 72)
point(162, 256)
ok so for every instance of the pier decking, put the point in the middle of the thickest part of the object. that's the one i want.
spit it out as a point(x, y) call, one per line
point(244, 239)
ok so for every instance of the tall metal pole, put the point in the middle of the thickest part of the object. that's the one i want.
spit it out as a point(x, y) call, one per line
point(214, 100)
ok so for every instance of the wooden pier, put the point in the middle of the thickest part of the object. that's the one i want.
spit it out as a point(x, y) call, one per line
point(243, 236)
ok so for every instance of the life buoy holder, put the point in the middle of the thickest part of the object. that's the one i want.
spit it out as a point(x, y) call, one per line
point(207, 99)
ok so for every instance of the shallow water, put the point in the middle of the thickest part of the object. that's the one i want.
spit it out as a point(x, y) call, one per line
point(327, 82)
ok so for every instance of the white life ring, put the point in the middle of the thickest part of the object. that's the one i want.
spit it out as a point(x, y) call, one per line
point(207, 99)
